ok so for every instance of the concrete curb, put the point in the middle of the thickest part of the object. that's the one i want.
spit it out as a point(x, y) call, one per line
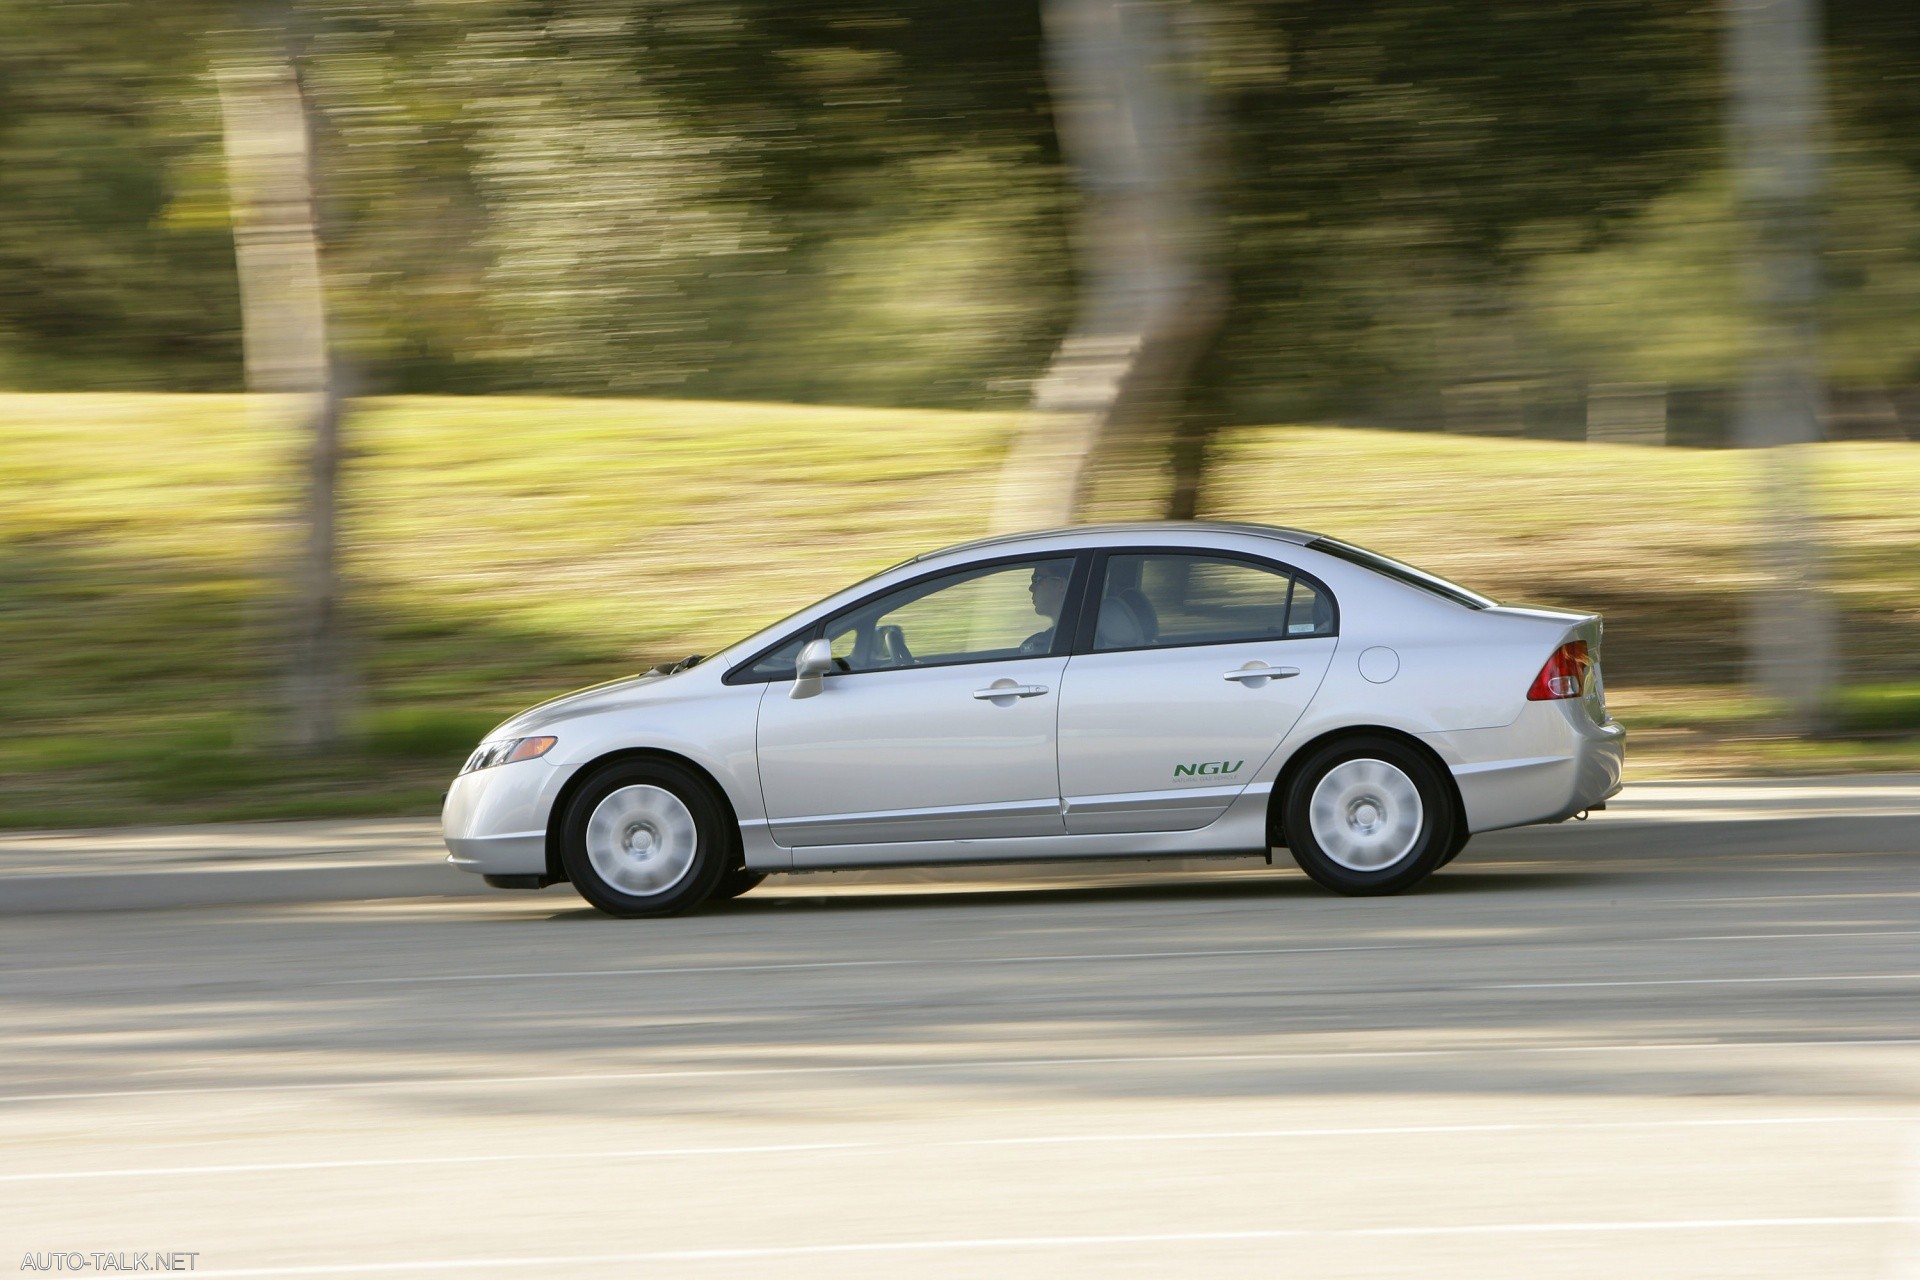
point(179, 887)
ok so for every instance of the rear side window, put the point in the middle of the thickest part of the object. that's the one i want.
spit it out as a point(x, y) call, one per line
point(1167, 599)
point(1309, 611)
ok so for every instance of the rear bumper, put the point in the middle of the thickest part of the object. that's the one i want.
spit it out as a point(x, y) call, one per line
point(1548, 765)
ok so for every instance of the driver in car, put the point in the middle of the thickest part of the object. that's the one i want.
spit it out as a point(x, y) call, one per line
point(1049, 591)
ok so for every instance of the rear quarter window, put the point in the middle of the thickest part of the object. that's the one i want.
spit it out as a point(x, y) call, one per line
point(1431, 583)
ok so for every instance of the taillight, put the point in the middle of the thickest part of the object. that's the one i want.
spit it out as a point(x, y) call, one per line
point(1565, 675)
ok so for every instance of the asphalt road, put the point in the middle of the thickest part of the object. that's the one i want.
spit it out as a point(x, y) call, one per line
point(1680, 1042)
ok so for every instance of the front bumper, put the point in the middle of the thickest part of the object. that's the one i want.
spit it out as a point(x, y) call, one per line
point(1546, 766)
point(495, 820)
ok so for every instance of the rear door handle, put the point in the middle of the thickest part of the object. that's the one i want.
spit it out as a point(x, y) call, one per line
point(1250, 673)
point(1009, 691)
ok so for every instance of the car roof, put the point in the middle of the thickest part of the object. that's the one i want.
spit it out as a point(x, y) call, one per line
point(1297, 537)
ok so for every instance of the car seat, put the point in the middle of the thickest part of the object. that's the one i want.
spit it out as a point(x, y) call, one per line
point(1143, 613)
point(1127, 621)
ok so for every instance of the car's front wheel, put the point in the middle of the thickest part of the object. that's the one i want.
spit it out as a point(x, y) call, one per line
point(646, 838)
point(1369, 816)
point(738, 881)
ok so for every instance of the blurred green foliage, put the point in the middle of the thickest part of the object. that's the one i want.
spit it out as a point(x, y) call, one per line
point(105, 122)
point(1436, 214)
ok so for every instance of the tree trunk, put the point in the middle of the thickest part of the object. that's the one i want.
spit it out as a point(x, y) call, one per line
point(1128, 107)
point(1187, 456)
point(289, 366)
point(1779, 152)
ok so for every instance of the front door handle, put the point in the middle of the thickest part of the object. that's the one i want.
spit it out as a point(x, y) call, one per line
point(1008, 689)
point(1257, 673)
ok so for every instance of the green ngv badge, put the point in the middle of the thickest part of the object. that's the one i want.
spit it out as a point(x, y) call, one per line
point(1207, 768)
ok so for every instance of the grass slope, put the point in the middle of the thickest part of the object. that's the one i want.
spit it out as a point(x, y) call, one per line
point(504, 549)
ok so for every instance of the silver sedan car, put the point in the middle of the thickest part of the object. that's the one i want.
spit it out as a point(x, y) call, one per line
point(1143, 690)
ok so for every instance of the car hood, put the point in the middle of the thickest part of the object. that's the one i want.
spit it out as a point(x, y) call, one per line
point(623, 692)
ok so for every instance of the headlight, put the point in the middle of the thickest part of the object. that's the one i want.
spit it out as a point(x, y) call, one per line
point(507, 751)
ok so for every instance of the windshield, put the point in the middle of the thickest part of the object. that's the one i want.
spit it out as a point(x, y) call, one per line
point(1403, 573)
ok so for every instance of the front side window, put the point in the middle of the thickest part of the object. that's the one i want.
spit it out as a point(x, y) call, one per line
point(776, 664)
point(1165, 599)
point(1006, 610)
point(975, 615)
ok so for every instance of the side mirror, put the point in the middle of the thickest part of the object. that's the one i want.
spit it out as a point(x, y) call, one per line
point(815, 660)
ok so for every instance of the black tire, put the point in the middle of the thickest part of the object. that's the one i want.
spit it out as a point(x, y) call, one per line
point(736, 882)
point(1460, 837)
point(653, 826)
point(1427, 831)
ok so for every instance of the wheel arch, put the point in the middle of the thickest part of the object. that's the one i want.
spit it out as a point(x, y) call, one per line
point(556, 817)
point(1277, 798)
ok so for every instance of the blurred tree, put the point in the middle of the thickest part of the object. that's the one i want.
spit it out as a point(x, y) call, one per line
point(1397, 163)
point(1779, 155)
point(864, 200)
point(289, 362)
point(1664, 301)
point(1128, 104)
point(102, 282)
point(835, 201)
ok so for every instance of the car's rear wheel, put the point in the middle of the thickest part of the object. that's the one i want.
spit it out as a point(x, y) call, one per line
point(1369, 816)
point(1460, 837)
point(646, 838)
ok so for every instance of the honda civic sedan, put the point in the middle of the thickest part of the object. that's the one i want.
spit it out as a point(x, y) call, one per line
point(1121, 691)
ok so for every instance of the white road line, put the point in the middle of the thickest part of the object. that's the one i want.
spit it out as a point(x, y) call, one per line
point(1691, 982)
point(1070, 1139)
point(1051, 1242)
point(304, 1166)
point(890, 963)
point(1768, 937)
point(1414, 1130)
point(1773, 897)
point(1062, 958)
point(1677, 816)
point(1903, 1261)
point(970, 1064)
point(900, 962)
